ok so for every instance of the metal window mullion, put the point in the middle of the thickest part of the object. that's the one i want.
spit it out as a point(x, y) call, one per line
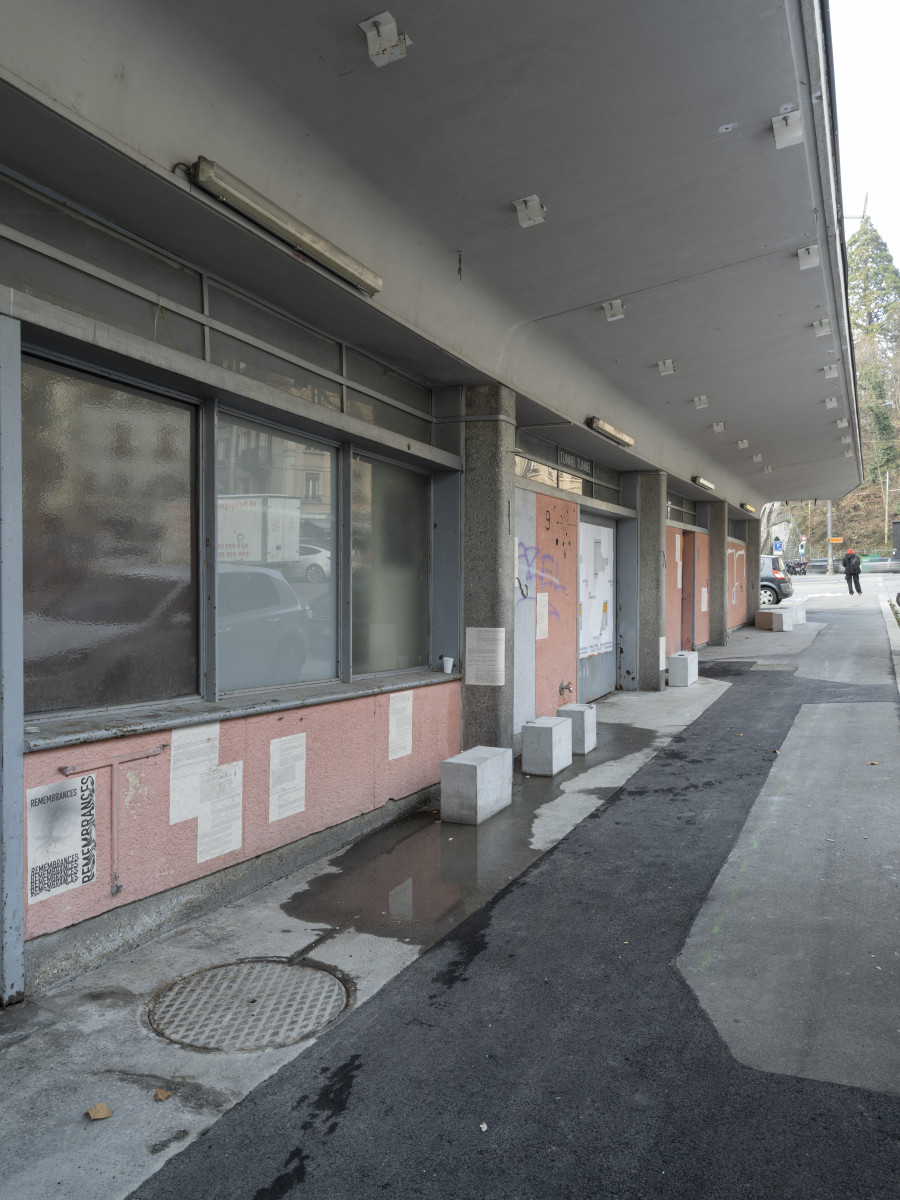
point(345, 560)
point(208, 547)
point(204, 291)
point(12, 733)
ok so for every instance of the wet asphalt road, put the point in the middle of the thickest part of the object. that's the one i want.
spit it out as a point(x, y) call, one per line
point(556, 1017)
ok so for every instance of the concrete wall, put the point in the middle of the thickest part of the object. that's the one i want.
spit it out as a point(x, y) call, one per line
point(348, 772)
point(737, 584)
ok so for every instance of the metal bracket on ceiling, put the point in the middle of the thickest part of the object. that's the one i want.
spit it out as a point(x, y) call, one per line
point(385, 44)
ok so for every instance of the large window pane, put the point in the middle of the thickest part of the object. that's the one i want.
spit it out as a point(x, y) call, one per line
point(110, 593)
point(377, 412)
point(390, 567)
point(268, 326)
point(277, 611)
point(380, 379)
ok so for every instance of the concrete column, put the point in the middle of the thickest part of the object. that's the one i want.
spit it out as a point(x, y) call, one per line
point(753, 552)
point(488, 553)
point(651, 506)
point(718, 572)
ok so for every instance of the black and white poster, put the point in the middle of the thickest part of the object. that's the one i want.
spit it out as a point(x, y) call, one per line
point(62, 843)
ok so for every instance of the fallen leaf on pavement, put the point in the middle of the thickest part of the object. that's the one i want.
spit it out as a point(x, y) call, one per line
point(99, 1111)
point(777, 751)
point(161, 1094)
point(874, 764)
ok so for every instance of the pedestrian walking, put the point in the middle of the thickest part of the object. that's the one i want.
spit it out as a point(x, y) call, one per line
point(850, 563)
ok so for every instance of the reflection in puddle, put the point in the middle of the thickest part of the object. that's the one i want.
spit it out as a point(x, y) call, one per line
point(417, 878)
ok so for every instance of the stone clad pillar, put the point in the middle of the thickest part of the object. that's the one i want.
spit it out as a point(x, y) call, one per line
point(718, 572)
point(651, 506)
point(489, 558)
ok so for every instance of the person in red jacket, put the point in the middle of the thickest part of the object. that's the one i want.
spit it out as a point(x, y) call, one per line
point(850, 563)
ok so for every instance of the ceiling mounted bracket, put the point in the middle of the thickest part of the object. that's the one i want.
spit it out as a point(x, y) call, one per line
point(385, 44)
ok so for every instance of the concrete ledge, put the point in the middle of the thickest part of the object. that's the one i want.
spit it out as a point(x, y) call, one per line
point(546, 746)
point(56, 956)
point(476, 784)
point(777, 620)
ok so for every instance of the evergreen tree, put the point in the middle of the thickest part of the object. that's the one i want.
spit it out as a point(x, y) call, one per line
point(874, 288)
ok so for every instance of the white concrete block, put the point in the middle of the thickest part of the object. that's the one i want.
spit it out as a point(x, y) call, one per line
point(584, 726)
point(476, 784)
point(798, 614)
point(779, 620)
point(546, 746)
point(683, 668)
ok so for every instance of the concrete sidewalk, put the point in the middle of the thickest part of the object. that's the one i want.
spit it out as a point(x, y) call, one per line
point(365, 913)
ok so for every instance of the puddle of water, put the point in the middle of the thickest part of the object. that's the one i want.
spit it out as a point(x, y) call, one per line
point(417, 878)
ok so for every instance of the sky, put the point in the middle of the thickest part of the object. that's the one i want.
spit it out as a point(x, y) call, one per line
point(866, 44)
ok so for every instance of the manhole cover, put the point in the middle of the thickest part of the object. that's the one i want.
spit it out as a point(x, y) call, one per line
point(774, 667)
point(255, 1004)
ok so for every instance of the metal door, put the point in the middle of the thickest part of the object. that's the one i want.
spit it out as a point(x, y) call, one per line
point(596, 607)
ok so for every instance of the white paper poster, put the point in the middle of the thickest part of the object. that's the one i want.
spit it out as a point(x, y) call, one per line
point(400, 725)
point(220, 816)
point(486, 657)
point(287, 776)
point(62, 846)
point(596, 589)
point(542, 622)
point(662, 653)
point(195, 752)
point(704, 599)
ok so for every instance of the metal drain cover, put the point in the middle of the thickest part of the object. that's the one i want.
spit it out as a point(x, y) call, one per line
point(760, 666)
point(253, 1004)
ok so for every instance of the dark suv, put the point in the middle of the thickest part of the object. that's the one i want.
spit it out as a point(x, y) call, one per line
point(774, 582)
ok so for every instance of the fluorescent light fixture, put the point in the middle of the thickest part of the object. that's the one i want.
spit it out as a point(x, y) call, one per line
point(848, 454)
point(830, 371)
point(767, 470)
point(743, 444)
point(609, 431)
point(831, 402)
point(757, 458)
point(225, 186)
point(808, 257)
point(614, 309)
point(718, 426)
point(704, 483)
point(701, 402)
point(842, 422)
point(384, 43)
point(822, 328)
point(666, 366)
point(530, 210)
point(846, 438)
point(748, 507)
point(788, 129)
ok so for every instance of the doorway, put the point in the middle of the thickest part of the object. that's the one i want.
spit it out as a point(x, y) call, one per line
point(596, 607)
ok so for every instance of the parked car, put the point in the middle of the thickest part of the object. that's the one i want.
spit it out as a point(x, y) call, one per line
point(774, 582)
point(314, 563)
point(262, 628)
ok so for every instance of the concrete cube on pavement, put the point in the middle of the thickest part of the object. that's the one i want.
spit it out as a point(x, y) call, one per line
point(584, 726)
point(683, 668)
point(476, 784)
point(778, 620)
point(546, 746)
point(798, 614)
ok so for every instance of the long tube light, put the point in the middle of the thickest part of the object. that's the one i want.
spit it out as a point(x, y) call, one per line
point(609, 431)
point(704, 483)
point(221, 183)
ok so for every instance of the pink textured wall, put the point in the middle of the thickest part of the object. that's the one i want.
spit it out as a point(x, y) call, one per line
point(347, 773)
point(673, 591)
point(687, 593)
point(556, 656)
point(701, 581)
point(737, 584)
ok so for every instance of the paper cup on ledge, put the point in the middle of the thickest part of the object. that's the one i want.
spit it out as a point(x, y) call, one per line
point(448, 665)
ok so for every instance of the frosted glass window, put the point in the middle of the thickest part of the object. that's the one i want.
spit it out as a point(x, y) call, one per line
point(277, 372)
point(377, 412)
point(391, 520)
point(110, 595)
point(277, 610)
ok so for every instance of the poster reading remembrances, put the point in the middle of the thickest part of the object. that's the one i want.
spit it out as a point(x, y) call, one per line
point(62, 844)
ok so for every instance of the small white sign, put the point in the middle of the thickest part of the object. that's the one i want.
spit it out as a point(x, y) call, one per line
point(542, 621)
point(704, 599)
point(662, 653)
point(485, 657)
point(287, 776)
point(62, 846)
point(220, 816)
point(194, 753)
point(400, 725)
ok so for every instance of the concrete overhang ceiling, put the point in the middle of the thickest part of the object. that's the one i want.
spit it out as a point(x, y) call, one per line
point(646, 130)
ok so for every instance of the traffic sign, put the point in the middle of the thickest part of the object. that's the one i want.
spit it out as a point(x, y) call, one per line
point(837, 540)
point(777, 545)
